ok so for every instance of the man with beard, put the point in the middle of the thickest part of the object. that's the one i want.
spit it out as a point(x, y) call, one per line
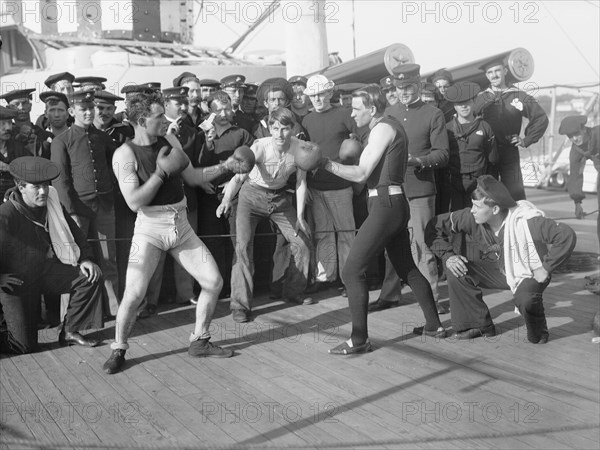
point(25, 132)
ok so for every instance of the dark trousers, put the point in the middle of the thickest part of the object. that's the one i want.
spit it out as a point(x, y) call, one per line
point(21, 311)
point(384, 228)
point(508, 172)
point(222, 248)
point(468, 310)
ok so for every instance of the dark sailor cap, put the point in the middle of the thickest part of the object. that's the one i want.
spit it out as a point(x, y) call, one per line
point(34, 169)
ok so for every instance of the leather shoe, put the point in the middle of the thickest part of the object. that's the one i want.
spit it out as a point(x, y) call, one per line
point(439, 333)
point(114, 362)
point(74, 338)
point(380, 305)
point(345, 349)
point(239, 315)
point(473, 333)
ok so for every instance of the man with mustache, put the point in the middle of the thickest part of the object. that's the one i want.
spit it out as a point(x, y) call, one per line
point(504, 106)
point(85, 185)
point(43, 252)
point(105, 120)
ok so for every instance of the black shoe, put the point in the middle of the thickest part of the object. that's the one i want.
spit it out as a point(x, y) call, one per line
point(203, 348)
point(541, 339)
point(276, 290)
point(380, 305)
point(345, 349)
point(316, 287)
point(114, 362)
point(473, 333)
point(239, 315)
point(74, 338)
point(439, 333)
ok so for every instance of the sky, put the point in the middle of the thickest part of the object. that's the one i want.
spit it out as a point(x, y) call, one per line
point(563, 36)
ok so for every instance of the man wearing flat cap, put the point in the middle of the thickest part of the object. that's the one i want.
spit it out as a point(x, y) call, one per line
point(504, 106)
point(43, 252)
point(331, 207)
point(472, 145)
point(509, 250)
point(235, 86)
point(61, 83)
point(30, 135)
point(427, 151)
point(85, 185)
point(9, 149)
point(585, 145)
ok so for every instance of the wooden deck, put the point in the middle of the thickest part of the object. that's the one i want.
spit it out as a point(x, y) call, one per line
point(283, 390)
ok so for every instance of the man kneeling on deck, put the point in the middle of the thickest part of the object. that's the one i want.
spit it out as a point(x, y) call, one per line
point(508, 250)
point(43, 251)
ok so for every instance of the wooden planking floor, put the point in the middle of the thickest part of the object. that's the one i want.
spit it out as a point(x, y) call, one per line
point(283, 390)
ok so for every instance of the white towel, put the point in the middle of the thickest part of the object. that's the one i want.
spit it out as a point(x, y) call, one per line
point(520, 255)
point(63, 243)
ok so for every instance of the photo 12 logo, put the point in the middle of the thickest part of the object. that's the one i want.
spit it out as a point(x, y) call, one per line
point(469, 12)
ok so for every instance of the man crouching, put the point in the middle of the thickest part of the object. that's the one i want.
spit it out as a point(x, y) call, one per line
point(508, 250)
point(43, 252)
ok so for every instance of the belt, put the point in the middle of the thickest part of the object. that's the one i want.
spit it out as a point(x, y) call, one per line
point(392, 190)
point(272, 191)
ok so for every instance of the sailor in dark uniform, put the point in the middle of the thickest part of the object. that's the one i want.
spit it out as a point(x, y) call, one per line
point(58, 82)
point(586, 145)
point(34, 228)
point(235, 86)
point(83, 83)
point(105, 120)
point(472, 145)
point(503, 106)
point(195, 116)
point(9, 149)
point(30, 135)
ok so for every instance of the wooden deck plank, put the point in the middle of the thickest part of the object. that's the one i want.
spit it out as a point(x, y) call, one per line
point(401, 396)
